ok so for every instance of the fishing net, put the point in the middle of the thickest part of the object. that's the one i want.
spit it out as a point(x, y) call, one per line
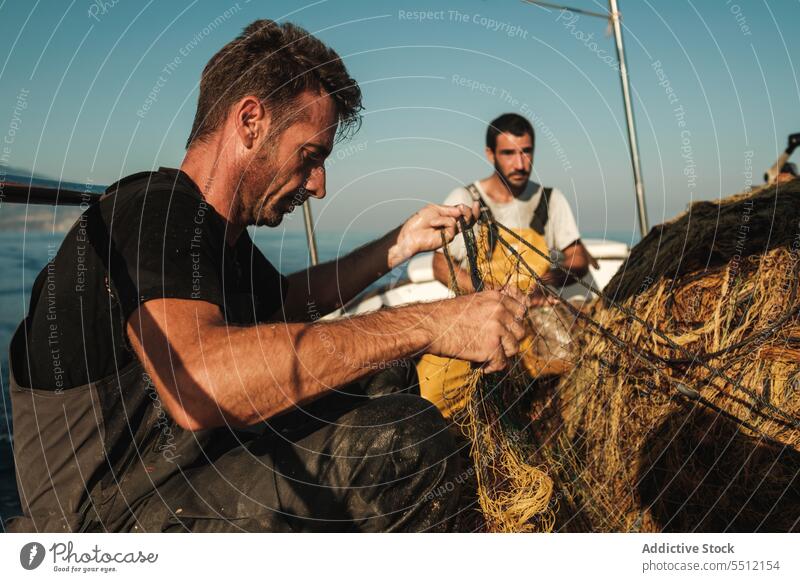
point(513, 494)
point(679, 411)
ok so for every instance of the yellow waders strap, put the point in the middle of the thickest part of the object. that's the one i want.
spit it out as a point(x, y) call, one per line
point(442, 379)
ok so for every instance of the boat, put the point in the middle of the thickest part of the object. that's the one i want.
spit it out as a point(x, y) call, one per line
point(421, 285)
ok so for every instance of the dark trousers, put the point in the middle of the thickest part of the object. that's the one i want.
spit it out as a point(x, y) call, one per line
point(363, 459)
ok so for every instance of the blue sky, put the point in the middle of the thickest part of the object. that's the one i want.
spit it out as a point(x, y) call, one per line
point(715, 88)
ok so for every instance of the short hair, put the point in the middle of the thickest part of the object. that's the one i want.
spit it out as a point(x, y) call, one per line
point(508, 123)
point(275, 63)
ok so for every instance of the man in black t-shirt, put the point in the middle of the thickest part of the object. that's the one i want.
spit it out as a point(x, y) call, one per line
point(159, 333)
point(162, 239)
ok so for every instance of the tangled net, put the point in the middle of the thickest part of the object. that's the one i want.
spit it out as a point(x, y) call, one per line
point(681, 410)
point(513, 495)
point(681, 413)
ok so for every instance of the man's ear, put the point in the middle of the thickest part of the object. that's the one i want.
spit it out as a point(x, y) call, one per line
point(490, 155)
point(251, 120)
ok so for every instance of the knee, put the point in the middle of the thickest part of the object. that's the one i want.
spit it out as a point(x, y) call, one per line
point(420, 434)
point(398, 378)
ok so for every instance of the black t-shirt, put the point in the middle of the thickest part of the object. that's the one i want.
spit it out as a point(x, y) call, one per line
point(152, 236)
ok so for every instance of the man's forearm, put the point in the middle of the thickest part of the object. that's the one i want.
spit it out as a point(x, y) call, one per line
point(326, 287)
point(258, 372)
point(210, 373)
point(322, 286)
point(562, 276)
point(559, 277)
point(573, 267)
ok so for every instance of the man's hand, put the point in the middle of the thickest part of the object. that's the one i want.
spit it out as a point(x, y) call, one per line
point(534, 297)
point(574, 266)
point(538, 298)
point(422, 232)
point(484, 327)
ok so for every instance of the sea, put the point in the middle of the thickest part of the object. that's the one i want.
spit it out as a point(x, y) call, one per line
point(29, 237)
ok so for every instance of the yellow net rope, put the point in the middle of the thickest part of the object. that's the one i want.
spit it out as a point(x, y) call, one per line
point(681, 408)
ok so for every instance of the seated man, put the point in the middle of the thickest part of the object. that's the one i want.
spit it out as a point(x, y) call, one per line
point(541, 216)
point(159, 330)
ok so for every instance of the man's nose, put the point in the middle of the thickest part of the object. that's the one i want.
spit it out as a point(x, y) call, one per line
point(315, 185)
point(523, 161)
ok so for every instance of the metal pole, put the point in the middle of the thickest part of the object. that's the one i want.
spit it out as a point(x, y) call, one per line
point(626, 96)
point(312, 242)
point(30, 194)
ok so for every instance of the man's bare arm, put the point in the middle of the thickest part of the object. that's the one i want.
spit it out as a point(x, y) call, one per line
point(209, 373)
point(324, 288)
point(574, 266)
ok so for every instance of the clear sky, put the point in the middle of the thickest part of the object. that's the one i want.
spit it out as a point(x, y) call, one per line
point(97, 90)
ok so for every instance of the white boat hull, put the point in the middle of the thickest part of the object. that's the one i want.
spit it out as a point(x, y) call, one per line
point(422, 286)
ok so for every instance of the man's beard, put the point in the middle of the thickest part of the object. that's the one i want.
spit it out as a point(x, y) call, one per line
point(505, 177)
point(256, 208)
point(272, 212)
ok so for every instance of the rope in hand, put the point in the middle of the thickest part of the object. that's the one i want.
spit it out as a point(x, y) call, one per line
point(472, 254)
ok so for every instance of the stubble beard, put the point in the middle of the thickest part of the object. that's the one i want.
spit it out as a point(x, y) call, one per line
point(256, 206)
point(262, 209)
point(516, 190)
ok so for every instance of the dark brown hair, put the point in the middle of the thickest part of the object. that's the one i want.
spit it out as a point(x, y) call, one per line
point(276, 63)
point(508, 123)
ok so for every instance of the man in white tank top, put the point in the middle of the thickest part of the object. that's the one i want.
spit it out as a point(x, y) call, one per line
point(515, 201)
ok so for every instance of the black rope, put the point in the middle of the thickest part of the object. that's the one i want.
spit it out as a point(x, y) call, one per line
point(472, 254)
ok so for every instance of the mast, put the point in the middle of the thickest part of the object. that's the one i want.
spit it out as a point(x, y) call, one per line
point(310, 238)
point(633, 146)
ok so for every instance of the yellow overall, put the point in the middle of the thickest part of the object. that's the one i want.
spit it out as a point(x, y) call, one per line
point(441, 379)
